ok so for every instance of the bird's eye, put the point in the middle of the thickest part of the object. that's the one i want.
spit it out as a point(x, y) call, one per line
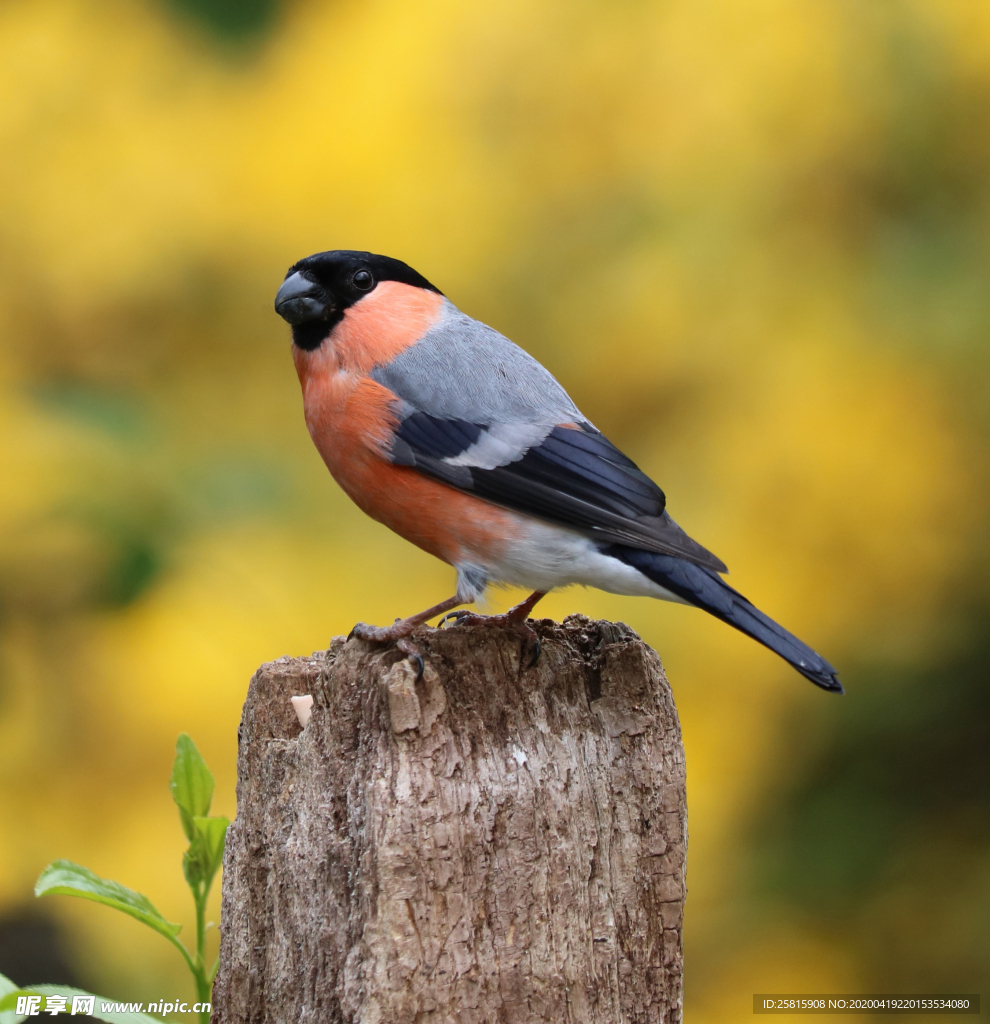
point(363, 280)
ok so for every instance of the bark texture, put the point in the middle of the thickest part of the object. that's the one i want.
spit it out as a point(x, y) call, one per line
point(489, 844)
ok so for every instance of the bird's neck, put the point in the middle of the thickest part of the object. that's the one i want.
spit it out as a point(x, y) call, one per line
point(373, 331)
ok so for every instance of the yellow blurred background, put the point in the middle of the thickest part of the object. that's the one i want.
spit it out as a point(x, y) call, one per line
point(750, 237)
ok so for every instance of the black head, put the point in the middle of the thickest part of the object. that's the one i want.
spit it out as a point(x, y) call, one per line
point(317, 290)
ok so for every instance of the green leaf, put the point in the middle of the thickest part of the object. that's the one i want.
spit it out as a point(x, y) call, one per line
point(62, 877)
point(191, 784)
point(8, 1017)
point(205, 854)
point(8, 1004)
point(212, 832)
point(192, 868)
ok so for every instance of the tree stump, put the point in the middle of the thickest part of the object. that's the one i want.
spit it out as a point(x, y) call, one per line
point(491, 843)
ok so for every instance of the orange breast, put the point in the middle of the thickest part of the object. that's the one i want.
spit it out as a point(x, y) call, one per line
point(351, 419)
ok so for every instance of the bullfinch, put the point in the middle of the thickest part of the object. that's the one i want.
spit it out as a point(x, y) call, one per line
point(455, 438)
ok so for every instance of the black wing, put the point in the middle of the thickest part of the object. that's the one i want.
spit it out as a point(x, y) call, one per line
point(573, 477)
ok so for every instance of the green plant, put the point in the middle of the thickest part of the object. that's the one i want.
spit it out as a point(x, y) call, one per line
point(192, 790)
point(103, 1009)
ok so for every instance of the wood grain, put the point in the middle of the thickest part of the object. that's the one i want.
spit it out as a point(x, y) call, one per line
point(488, 844)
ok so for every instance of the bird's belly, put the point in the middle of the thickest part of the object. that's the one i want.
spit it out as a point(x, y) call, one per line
point(452, 526)
point(351, 420)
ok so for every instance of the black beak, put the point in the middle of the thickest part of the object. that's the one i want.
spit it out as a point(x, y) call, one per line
point(301, 301)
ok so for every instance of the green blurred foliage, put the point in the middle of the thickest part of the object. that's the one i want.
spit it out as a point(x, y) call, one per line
point(229, 21)
point(886, 828)
point(750, 239)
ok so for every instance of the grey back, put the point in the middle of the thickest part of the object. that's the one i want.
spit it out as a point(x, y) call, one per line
point(463, 369)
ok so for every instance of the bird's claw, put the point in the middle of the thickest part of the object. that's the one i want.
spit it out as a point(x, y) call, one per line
point(458, 616)
point(410, 650)
point(521, 626)
point(380, 635)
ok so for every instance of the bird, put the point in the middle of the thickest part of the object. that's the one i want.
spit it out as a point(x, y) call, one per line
point(460, 441)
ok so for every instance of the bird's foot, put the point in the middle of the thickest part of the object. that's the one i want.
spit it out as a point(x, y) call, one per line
point(382, 634)
point(512, 619)
point(398, 633)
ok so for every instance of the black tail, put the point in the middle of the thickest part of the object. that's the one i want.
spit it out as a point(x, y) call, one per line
point(706, 589)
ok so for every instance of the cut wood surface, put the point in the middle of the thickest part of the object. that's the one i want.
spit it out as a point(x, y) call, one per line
point(491, 843)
